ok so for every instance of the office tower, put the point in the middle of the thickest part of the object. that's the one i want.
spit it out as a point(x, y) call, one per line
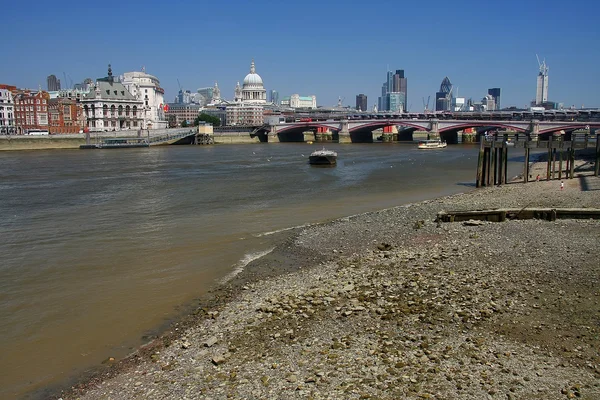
point(443, 98)
point(361, 102)
point(495, 93)
point(395, 83)
point(541, 94)
point(53, 83)
point(274, 97)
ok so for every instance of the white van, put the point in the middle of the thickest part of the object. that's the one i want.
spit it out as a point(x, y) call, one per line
point(38, 132)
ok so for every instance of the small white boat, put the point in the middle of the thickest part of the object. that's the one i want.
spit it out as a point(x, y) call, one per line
point(431, 144)
point(323, 157)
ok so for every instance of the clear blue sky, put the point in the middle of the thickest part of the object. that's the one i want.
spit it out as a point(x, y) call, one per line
point(326, 48)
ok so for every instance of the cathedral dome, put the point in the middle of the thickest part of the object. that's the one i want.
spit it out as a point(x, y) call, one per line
point(253, 80)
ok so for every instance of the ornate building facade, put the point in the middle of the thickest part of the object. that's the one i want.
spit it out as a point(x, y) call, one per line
point(146, 87)
point(110, 107)
point(253, 91)
point(31, 111)
point(7, 111)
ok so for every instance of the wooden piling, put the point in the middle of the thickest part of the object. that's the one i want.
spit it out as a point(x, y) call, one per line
point(501, 165)
point(526, 164)
point(505, 162)
point(560, 162)
point(480, 165)
point(493, 163)
point(572, 163)
point(549, 163)
point(597, 166)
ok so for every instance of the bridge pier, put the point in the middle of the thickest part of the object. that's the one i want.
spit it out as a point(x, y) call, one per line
point(344, 133)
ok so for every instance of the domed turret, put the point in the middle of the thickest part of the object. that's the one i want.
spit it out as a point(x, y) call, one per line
point(253, 90)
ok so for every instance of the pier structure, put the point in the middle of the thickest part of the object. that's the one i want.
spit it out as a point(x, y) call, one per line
point(492, 162)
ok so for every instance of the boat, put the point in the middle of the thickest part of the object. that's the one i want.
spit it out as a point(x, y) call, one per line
point(431, 144)
point(323, 157)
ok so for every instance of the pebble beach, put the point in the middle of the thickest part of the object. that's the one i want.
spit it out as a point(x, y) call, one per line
point(394, 305)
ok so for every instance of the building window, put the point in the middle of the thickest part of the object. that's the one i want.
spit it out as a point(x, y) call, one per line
point(127, 109)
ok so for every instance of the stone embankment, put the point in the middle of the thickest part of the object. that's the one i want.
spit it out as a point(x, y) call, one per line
point(392, 305)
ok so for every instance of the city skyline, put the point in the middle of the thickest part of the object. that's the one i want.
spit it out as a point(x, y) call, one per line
point(327, 60)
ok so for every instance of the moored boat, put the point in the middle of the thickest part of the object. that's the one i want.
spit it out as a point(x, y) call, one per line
point(323, 157)
point(431, 144)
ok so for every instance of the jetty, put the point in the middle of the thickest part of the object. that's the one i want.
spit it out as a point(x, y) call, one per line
point(492, 162)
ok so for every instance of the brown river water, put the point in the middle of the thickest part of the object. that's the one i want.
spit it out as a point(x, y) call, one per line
point(102, 247)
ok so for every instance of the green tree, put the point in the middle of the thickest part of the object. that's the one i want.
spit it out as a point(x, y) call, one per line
point(214, 121)
point(184, 124)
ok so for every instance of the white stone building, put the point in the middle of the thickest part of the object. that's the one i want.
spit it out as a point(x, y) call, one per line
point(253, 91)
point(110, 107)
point(7, 113)
point(146, 87)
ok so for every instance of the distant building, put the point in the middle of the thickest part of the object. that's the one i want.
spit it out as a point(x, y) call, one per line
point(541, 94)
point(7, 110)
point(187, 112)
point(458, 104)
point(395, 83)
point(110, 106)
point(443, 98)
point(361, 102)
point(85, 86)
point(253, 90)
point(31, 110)
point(53, 83)
point(65, 116)
point(495, 93)
point(206, 95)
point(219, 112)
point(274, 97)
point(245, 114)
point(396, 102)
point(146, 87)
point(488, 103)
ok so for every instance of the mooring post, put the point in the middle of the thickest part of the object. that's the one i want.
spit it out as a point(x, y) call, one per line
point(549, 158)
point(597, 166)
point(560, 159)
point(572, 163)
point(505, 162)
point(492, 173)
point(501, 165)
point(526, 164)
point(484, 168)
point(480, 164)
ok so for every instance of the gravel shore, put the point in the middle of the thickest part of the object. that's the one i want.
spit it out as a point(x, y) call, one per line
point(392, 305)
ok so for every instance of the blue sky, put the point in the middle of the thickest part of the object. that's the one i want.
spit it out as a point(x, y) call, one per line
point(327, 48)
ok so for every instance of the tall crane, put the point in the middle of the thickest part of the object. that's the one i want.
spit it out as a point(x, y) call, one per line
point(426, 106)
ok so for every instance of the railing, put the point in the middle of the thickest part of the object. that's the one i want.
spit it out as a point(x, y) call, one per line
point(170, 136)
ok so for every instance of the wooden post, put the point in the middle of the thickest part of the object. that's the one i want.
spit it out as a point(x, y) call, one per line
point(560, 164)
point(597, 166)
point(484, 168)
point(505, 163)
point(567, 162)
point(480, 165)
point(492, 177)
point(501, 165)
point(549, 158)
point(571, 175)
point(526, 164)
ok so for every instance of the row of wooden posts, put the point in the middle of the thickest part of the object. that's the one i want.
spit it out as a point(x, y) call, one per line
point(492, 165)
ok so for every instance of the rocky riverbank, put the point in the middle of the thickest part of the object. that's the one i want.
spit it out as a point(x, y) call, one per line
point(392, 305)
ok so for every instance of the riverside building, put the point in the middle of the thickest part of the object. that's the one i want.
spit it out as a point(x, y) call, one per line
point(31, 111)
point(110, 107)
point(7, 111)
point(146, 87)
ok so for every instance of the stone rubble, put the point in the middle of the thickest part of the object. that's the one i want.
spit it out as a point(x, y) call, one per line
point(397, 306)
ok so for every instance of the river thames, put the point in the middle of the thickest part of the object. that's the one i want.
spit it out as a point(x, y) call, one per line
point(100, 248)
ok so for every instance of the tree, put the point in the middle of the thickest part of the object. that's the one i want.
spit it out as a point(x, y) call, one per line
point(214, 121)
point(184, 124)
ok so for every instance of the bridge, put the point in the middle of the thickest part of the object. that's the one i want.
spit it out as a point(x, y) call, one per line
point(397, 129)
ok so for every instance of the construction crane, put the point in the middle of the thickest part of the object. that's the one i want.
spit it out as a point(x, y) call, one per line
point(426, 106)
point(180, 88)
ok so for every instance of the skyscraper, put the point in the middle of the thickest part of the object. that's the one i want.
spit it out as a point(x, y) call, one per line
point(395, 84)
point(361, 102)
point(53, 83)
point(541, 94)
point(274, 97)
point(443, 98)
point(495, 93)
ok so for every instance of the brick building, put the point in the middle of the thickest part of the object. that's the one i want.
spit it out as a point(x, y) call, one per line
point(31, 110)
point(64, 116)
point(7, 110)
